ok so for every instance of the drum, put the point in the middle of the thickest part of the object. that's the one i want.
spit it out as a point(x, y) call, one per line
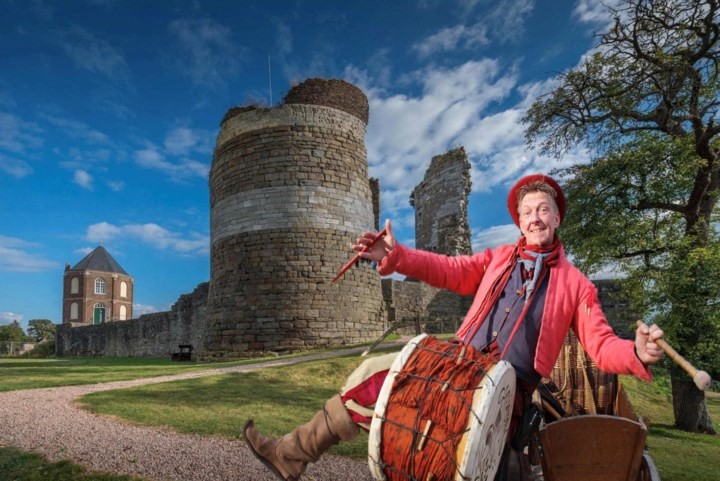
point(443, 413)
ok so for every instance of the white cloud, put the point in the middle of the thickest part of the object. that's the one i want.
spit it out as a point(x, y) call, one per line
point(507, 19)
point(83, 179)
point(14, 256)
point(495, 236)
point(594, 12)
point(210, 55)
point(78, 129)
point(405, 132)
point(184, 169)
point(15, 167)
point(451, 38)
point(502, 22)
point(8, 317)
point(140, 309)
point(184, 141)
point(94, 54)
point(116, 185)
point(16, 135)
point(83, 251)
point(151, 234)
point(180, 140)
point(283, 38)
point(102, 232)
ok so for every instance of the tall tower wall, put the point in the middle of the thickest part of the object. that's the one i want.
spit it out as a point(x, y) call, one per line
point(441, 203)
point(289, 193)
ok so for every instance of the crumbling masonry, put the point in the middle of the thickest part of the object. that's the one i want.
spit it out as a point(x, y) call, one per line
point(289, 192)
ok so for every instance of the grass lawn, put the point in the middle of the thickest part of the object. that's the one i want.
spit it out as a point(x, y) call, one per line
point(23, 373)
point(278, 398)
point(36, 373)
point(16, 465)
point(679, 456)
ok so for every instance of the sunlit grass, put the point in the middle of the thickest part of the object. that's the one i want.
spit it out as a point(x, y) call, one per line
point(26, 373)
point(36, 373)
point(278, 399)
point(678, 455)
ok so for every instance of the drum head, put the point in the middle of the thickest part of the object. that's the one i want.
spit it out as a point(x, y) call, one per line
point(478, 455)
point(480, 451)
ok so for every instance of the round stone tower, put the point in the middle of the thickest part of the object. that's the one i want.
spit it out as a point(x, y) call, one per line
point(289, 192)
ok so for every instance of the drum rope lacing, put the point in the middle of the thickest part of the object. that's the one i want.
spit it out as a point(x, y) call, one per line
point(428, 412)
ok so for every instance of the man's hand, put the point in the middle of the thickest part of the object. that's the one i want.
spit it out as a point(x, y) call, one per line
point(380, 249)
point(647, 350)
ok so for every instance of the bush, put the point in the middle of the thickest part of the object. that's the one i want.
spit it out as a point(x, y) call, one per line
point(42, 349)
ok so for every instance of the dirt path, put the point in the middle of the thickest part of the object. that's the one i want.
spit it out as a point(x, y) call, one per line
point(47, 421)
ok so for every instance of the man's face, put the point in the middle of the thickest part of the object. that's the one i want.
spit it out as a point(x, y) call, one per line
point(539, 218)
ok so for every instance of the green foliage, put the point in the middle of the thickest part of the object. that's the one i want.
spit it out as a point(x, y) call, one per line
point(627, 209)
point(645, 104)
point(42, 350)
point(41, 329)
point(13, 332)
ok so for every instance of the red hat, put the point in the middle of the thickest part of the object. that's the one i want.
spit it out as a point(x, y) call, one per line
point(512, 197)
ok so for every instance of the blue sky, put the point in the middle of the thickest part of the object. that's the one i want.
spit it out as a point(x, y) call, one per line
point(109, 111)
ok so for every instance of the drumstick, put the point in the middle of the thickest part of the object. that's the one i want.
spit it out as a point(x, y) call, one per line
point(546, 406)
point(357, 256)
point(701, 378)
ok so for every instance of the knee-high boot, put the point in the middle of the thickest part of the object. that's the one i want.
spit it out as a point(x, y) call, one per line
point(288, 456)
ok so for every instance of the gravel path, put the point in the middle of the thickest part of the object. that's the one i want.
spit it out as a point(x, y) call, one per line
point(47, 421)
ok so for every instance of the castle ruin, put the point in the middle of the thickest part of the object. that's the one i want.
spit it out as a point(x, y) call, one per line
point(289, 192)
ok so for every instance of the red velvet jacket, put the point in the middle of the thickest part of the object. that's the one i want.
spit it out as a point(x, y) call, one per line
point(571, 302)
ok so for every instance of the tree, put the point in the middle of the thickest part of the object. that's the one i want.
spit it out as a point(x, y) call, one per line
point(41, 329)
point(13, 332)
point(645, 104)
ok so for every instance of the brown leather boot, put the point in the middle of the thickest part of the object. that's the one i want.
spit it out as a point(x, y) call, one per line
point(288, 456)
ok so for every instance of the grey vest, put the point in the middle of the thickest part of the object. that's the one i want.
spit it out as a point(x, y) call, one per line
point(501, 320)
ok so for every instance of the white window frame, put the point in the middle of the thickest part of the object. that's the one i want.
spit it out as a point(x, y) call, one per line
point(100, 286)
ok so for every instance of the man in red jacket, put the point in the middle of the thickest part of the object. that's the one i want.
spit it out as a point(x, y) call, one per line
point(527, 297)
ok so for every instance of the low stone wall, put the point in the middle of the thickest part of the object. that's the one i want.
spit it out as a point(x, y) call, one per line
point(418, 304)
point(151, 335)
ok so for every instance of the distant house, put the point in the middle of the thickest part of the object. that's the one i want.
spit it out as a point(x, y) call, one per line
point(97, 290)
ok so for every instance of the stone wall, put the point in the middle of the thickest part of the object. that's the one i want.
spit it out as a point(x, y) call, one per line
point(289, 191)
point(616, 308)
point(434, 310)
point(440, 202)
point(151, 335)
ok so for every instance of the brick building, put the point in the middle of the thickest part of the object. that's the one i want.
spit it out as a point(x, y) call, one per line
point(97, 290)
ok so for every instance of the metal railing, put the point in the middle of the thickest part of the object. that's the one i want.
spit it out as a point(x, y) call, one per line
point(12, 348)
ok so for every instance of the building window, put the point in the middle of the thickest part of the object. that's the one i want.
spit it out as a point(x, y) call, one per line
point(123, 289)
point(74, 310)
point(123, 313)
point(99, 285)
point(99, 314)
point(74, 285)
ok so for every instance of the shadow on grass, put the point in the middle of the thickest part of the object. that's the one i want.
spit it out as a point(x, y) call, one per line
point(16, 465)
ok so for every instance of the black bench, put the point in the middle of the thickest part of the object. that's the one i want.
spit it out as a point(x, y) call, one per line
point(185, 353)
